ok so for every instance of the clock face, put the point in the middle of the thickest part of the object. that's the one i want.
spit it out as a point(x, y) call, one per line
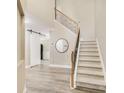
point(62, 45)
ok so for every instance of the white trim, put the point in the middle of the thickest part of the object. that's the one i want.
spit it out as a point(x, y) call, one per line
point(20, 63)
point(77, 58)
point(27, 66)
point(25, 89)
point(81, 39)
point(59, 66)
point(32, 65)
point(101, 58)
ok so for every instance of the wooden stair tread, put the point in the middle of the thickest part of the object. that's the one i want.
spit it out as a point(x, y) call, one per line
point(88, 57)
point(91, 76)
point(86, 45)
point(90, 71)
point(89, 60)
point(90, 64)
point(85, 55)
point(91, 87)
point(88, 54)
point(88, 49)
point(87, 41)
point(91, 80)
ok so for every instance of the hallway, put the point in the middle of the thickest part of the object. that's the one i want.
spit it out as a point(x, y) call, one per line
point(45, 79)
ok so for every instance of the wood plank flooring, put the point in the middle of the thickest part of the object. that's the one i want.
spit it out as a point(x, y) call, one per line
point(46, 79)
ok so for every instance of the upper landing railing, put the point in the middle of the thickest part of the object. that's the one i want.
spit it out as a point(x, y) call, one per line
point(66, 21)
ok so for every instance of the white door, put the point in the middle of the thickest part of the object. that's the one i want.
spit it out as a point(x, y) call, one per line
point(34, 49)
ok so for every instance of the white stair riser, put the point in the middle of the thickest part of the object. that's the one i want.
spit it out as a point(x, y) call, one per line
point(88, 42)
point(91, 86)
point(88, 51)
point(91, 76)
point(90, 64)
point(88, 45)
point(89, 57)
point(89, 72)
point(89, 60)
point(81, 48)
point(85, 49)
point(88, 54)
point(92, 81)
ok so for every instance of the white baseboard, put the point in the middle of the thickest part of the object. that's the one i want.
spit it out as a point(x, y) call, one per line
point(59, 66)
point(27, 66)
point(32, 65)
point(25, 90)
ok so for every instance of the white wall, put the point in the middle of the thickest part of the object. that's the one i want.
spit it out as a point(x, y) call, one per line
point(33, 42)
point(43, 10)
point(100, 26)
point(83, 11)
point(39, 15)
point(56, 58)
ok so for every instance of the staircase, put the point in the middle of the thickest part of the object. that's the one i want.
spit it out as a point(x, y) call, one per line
point(90, 74)
point(86, 65)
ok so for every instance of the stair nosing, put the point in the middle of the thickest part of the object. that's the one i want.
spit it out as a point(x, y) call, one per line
point(88, 41)
point(88, 51)
point(97, 74)
point(90, 75)
point(89, 55)
point(89, 60)
point(104, 86)
point(88, 44)
point(98, 67)
point(91, 90)
point(91, 82)
point(88, 47)
point(80, 69)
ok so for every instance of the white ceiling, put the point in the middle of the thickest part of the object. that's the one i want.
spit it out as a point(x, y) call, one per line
point(40, 12)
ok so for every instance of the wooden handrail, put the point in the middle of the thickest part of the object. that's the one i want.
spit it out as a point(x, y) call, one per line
point(76, 45)
point(72, 70)
point(73, 59)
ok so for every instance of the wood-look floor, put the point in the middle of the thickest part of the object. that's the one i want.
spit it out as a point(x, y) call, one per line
point(45, 79)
